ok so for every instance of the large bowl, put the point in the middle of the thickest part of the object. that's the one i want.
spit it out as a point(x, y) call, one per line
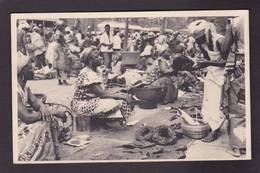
point(195, 131)
point(150, 94)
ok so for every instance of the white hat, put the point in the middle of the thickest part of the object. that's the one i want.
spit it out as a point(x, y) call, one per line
point(23, 24)
point(36, 28)
point(59, 22)
point(200, 27)
point(67, 29)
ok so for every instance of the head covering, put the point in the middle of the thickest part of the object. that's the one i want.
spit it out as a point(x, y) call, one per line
point(162, 39)
point(117, 30)
point(23, 25)
point(59, 22)
point(36, 28)
point(67, 29)
point(161, 48)
point(85, 54)
point(22, 60)
point(200, 27)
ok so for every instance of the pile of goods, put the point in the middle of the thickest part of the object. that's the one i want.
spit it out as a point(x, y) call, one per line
point(161, 135)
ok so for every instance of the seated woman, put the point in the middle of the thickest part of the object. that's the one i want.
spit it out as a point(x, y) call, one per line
point(162, 74)
point(39, 131)
point(90, 98)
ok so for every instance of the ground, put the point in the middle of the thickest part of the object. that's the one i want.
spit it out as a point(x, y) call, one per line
point(105, 144)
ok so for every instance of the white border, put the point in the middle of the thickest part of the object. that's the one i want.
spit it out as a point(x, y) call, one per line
point(149, 14)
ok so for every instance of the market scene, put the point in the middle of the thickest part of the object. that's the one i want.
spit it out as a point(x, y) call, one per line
point(131, 89)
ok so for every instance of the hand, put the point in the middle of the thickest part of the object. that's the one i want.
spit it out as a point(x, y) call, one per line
point(129, 99)
point(46, 116)
point(200, 65)
point(237, 72)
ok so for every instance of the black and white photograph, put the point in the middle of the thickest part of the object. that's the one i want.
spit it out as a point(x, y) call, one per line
point(148, 86)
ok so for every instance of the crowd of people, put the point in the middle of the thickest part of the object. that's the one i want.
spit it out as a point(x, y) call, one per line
point(173, 61)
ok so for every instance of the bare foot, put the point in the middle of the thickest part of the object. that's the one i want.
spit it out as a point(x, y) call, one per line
point(212, 136)
point(234, 152)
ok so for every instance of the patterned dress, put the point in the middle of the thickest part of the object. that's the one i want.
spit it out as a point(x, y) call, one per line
point(39, 141)
point(35, 141)
point(87, 103)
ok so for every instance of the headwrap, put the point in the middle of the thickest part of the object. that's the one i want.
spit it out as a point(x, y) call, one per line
point(85, 54)
point(200, 27)
point(23, 24)
point(36, 28)
point(22, 60)
point(162, 39)
point(59, 22)
point(235, 22)
point(161, 48)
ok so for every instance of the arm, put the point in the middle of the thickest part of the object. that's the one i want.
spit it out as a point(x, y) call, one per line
point(26, 116)
point(98, 90)
point(220, 63)
point(227, 42)
point(102, 42)
point(39, 106)
point(34, 101)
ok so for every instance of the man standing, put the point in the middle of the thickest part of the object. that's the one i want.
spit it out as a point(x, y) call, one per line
point(106, 43)
point(117, 40)
point(210, 44)
point(233, 48)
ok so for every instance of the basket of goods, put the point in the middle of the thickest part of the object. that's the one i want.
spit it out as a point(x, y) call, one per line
point(194, 127)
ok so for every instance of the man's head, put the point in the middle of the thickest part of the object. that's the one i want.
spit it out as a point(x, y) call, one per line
point(116, 31)
point(36, 29)
point(107, 28)
point(201, 31)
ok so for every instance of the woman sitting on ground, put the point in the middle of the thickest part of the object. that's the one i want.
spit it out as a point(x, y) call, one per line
point(40, 130)
point(161, 74)
point(90, 98)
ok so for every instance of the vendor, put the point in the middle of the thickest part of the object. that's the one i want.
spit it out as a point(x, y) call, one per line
point(38, 130)
point(90, 99)
point(210, 44)
point(162, 74)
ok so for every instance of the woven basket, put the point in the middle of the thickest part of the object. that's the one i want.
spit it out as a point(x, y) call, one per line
point(195, 131)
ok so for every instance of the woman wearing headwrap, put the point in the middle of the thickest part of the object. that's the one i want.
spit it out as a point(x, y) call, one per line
point(210, 44)
point(41, 129)
point(161, 74)
point(22, 30)
point(90, 99)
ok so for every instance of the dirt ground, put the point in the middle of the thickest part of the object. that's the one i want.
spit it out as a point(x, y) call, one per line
point(105, 143)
